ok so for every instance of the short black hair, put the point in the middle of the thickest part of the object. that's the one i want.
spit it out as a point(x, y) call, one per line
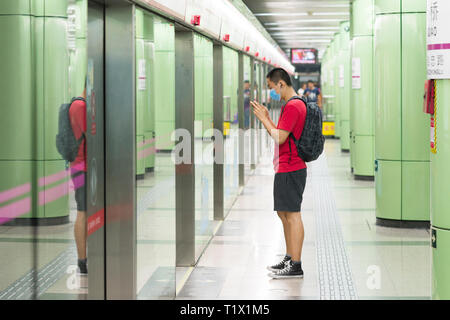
point(278, 74)
point(246, 81)
point(310, 81)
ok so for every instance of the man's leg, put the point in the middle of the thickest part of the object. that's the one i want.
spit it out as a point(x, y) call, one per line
point(295, 234)
point(80, 231)
point(282, 216)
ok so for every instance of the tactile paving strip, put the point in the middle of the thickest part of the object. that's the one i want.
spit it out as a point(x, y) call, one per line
point(334, 272)
point(22, 289)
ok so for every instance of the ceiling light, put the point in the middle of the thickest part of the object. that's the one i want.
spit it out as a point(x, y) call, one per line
point(302, 21)
point(302, 28)
point(269, 14)
point(331, 13)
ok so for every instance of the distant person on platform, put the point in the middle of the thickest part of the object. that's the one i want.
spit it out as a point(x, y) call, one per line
point(313, 94)
point(302, 89)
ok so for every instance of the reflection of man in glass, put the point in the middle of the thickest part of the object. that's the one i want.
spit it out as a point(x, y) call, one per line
point(78, 169)
point(246, 104)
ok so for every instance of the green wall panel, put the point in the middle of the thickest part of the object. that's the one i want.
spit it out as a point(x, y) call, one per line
point(387, 65)
point(141, 95)
point(440, 261)
point(16, 83)
point(77, 68)
point(140, 160)
point(414, 6)
point(15, 174)
point(55, 195)
point(164, 87)
point(15, 7)
point(440, 173)
point(362, 18)
point(56, 8)
point(364, 157)
point(415, 191)
point(56, 65)
point(387, 6)
point(415, 123)
point(362, 100)
point(345, 136)
point(388, 180)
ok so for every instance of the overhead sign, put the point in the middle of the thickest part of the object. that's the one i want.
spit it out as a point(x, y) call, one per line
point(438, 39)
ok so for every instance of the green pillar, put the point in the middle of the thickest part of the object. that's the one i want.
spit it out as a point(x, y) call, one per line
point(343, 85)
point(164, 33)
point(401, 127)
point(335, 45)
point(145, 144)
point(440, 201)
point(361, 97)
point(35, 71)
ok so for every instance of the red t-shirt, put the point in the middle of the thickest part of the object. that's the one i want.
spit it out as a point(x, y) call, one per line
point(292, 120)
point(77, 115)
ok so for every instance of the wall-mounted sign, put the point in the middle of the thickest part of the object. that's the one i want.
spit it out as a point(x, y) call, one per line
point(142, 75)
point(438, 39)
point(356, 73)
point(341, 76)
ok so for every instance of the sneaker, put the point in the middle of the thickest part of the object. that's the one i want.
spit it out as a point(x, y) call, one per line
point(82, 266)
point(290, 271)
point(280, 265)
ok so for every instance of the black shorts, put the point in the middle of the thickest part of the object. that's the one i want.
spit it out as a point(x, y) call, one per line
point(80, 190)
point(288, 190)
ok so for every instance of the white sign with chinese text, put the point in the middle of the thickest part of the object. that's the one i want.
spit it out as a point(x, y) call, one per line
point(341, 76)
point(356, 73)
point(438, 39)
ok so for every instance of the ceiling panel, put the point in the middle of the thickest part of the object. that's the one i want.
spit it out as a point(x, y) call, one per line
point(301, 23)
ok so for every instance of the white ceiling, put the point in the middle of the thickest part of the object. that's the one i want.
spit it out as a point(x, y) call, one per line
point(301, 23)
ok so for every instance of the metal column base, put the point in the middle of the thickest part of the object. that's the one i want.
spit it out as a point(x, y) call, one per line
point(403, 224)
point(345, 150)
point(26, 222)
point(364, 178)
point(140, 176)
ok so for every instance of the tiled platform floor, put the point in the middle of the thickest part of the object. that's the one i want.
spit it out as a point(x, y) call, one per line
point(383, 263)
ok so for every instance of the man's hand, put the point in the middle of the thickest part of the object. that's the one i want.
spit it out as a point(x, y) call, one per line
point(260, 111)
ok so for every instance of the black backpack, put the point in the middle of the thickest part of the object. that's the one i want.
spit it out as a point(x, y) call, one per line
point(311, 142)
point(66, 143)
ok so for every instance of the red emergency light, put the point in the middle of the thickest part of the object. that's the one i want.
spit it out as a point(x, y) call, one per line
point(195, 20)
point(226, 37)
point(247, 48)
point(256, 54)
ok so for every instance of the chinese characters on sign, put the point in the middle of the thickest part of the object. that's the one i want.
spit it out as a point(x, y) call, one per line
point(438, 39)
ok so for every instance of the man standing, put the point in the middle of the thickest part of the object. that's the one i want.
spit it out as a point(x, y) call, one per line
point(78, 169)
point(290, 177)
point(313, 94)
